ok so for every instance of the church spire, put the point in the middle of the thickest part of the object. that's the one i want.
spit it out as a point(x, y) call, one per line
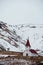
point(28, 43)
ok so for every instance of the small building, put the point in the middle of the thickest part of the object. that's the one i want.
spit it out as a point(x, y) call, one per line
point(28, 51)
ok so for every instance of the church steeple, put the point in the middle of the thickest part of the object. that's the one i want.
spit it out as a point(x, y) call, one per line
point(28, 43)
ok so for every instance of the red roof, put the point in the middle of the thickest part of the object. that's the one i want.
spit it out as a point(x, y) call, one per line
point(33, 51)
point(28, 43)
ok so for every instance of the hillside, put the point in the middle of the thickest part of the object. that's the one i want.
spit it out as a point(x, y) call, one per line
point(13, 37)
point(9, 40)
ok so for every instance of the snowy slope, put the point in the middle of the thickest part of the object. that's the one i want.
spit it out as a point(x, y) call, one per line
point(13, 37)
point(34, 32)
point(9, 40)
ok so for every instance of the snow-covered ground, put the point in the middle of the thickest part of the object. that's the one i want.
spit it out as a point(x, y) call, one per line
point(13, 38)
point(35, 35)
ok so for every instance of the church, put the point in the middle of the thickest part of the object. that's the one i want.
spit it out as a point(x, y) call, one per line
point(28, 51)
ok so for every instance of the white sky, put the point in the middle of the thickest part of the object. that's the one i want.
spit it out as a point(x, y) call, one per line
point(21, 11)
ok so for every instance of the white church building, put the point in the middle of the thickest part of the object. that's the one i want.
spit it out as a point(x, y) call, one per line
point(28, 51)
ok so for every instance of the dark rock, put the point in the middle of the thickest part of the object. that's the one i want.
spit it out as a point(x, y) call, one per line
point(40, 64)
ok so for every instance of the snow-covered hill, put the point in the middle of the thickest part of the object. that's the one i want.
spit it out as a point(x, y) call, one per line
point(34, 32)
point(9, 40)
point(13, 37)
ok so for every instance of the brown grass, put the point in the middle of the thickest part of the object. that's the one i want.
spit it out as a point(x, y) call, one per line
point(20, 56)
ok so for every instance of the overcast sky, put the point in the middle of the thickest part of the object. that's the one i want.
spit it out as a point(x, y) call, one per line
point(21, 11)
